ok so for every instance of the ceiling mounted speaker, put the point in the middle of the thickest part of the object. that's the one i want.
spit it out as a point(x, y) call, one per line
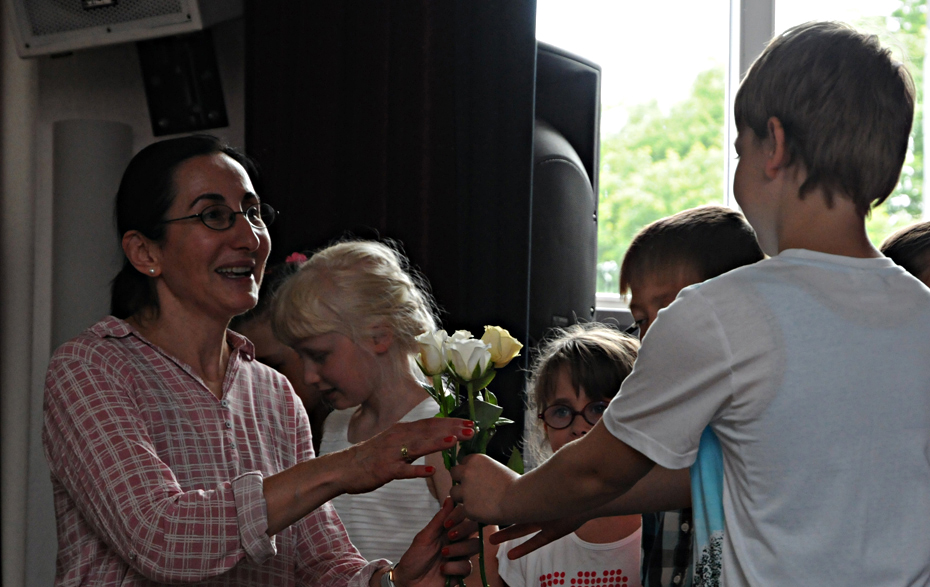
point(43, 27)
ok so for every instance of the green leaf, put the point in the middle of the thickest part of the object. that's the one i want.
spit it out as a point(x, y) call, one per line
point(490, 397)
point(486, 414)
point(515, 462)
point(448, 404)
point(484, 380)
point(432, 392)
point(469, 447)
point(503, 421)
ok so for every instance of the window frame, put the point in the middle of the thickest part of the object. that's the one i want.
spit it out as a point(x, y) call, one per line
point(752, 25)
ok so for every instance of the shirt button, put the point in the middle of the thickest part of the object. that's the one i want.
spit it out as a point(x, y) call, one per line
point(685, 527)
point(224, 403)
point(132, 556)
point(676, 579)
point(228, 424)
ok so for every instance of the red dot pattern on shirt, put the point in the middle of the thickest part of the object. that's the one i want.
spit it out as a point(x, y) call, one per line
point(611, 578)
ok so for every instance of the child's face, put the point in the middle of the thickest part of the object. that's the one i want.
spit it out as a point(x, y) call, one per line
point(749, 182)
point(274, 353)
point(338, 368)
point(653, 291)
point(566, 396)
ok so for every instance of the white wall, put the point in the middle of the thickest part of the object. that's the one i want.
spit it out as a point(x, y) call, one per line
point(97, 84)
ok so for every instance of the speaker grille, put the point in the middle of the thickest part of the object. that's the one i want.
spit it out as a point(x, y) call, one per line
point(49, 17)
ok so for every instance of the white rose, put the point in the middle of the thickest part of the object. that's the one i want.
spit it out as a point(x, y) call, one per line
point(432, 358)
point(460, 335)
point(470, 358)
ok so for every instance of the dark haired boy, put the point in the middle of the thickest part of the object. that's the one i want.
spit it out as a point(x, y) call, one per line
point(683, 546)
point(811, 367)
point(910, 248)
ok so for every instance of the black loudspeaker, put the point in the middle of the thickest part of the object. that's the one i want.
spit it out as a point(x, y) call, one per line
point(42, 27)
point(182, 83)
point(563, 268)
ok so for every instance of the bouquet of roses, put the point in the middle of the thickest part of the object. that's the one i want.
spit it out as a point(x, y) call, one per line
point(463, 361)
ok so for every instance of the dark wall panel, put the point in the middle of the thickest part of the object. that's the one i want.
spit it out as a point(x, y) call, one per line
point(411, 120)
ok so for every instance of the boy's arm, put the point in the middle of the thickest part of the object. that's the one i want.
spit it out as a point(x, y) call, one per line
point(583, 475)
point(660, 490)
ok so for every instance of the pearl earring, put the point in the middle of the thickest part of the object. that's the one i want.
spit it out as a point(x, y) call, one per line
point(152, 271)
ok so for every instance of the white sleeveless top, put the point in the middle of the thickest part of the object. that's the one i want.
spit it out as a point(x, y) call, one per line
point(382, 524)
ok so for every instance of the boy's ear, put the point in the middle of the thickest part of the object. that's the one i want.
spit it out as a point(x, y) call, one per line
point(776, 150)
point(143, 253)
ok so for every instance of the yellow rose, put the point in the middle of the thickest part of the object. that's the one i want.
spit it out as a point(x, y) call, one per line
point(503, 346)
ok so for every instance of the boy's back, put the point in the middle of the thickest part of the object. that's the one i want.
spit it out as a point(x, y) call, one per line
point(814, 372)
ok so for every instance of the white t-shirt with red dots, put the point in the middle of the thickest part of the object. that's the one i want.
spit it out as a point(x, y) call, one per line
point(572, 562)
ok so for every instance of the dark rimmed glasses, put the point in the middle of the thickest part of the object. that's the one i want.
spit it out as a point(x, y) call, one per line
point(222, 217)
point(561, 416)
point(633, 329)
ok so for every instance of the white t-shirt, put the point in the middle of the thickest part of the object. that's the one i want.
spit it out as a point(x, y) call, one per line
point(382, 523)
point(572, 562)
point(813, 370)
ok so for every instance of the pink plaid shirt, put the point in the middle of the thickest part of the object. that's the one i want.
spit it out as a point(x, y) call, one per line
point(158, 481)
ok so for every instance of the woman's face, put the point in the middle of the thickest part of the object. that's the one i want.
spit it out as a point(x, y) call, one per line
point(211, 272)
point(280, 357)
point(342, 371)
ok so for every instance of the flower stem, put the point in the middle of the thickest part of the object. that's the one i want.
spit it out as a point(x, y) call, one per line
point(441, 392)
point(484, 577)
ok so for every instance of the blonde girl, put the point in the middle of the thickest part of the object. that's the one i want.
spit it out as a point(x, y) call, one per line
point(352, 312)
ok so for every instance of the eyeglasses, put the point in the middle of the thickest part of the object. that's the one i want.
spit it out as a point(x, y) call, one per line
point(634, 327)
point(560, 416)
point(222, 217)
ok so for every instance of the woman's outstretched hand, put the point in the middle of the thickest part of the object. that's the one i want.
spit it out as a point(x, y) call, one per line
point(295, 492)
point(387, 456)
point(428, 560)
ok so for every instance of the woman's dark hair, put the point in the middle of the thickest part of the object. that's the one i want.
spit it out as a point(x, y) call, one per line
point(145, 193)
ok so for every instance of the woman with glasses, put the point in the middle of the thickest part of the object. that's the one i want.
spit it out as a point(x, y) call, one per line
point(175, 456)
point(575, 375)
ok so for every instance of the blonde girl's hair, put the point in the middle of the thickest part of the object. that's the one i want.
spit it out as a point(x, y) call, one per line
point(598, 358)
point(353, 288)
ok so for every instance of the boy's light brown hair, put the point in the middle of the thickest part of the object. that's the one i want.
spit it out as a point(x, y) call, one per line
point(845, 104)
point(708, 239)
point(910, 248)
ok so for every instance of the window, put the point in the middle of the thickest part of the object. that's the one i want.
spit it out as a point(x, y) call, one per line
point(669, 75)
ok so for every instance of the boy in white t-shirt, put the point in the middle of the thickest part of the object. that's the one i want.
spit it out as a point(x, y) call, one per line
point(681, 542)
point(812, 367)
point(663, 258)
